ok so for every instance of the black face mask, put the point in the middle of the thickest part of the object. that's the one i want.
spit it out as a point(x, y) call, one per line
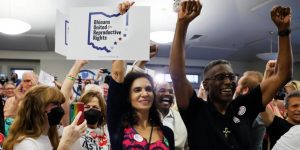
point(92, 116)
point(55, 115)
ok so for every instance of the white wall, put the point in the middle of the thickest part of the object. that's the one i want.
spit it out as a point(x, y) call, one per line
point(57, 65)
point(60, 68)
point(5, 65)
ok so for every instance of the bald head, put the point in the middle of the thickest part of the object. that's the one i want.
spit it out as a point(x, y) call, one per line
point(248, 81)
point(251, 79)
point(164, 97)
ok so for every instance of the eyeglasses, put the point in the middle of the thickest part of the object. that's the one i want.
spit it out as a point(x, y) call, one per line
point(222, 77)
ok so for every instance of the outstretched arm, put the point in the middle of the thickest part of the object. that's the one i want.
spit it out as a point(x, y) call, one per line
point(284, 68)
point(67, 87)
point(188, 11)
point(118, 66)
point(267, 116)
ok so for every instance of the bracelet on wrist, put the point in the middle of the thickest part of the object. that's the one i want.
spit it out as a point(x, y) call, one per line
point(72, 78)
point(285, 32)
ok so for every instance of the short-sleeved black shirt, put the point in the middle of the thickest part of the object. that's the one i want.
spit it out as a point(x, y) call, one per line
point(277, 128)
point(207, 127)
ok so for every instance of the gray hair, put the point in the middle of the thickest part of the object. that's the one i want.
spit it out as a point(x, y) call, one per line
point(295, 93)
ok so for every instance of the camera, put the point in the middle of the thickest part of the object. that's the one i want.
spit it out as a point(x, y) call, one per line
point(3, 79)
point(280, 94)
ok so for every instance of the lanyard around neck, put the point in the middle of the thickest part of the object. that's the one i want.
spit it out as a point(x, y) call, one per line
point(149, 142)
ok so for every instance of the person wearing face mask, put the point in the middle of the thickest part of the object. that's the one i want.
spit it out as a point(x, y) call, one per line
point(35, 125)
point(96, 135)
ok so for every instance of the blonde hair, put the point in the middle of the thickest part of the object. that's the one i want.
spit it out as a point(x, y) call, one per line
point(31, 120)
point(294, 83)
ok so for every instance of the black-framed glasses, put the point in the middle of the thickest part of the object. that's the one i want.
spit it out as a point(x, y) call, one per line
point(222, 77)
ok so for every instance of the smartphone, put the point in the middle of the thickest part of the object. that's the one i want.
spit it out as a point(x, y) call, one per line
point(176, 4)
point(75, 108)
point(105, 71)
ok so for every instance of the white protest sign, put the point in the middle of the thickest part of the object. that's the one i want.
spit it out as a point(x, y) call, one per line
point(101, 33)
point(46, 78)
point(61, 33)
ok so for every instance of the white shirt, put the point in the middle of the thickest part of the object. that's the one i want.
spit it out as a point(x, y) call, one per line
point(41, 143)
point(169, 120)
point(290, 140)
point(93, 139)
point(174, 121)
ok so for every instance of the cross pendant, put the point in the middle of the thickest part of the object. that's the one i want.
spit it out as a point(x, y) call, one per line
point(226, 132)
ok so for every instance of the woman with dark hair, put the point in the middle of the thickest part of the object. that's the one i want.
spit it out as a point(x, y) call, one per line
point(35, 125)
point(133, 120)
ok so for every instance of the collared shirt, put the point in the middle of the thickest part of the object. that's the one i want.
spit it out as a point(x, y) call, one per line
point(210, 130)
point(168, 120)
point(174, 121)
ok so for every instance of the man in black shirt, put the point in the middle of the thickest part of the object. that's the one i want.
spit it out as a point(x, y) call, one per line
point(221, 123)
point(277, 126)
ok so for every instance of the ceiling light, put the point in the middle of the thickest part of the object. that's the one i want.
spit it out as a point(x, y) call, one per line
point(270, 55)
point(13, 26)
point(159, 78)
point(267, 56)
point(162, 36)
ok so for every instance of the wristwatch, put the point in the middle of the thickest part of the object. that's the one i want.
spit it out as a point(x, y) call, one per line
point(285, 32)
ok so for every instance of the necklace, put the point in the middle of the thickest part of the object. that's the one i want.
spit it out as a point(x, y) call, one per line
point(150, 137)
point(226, 132)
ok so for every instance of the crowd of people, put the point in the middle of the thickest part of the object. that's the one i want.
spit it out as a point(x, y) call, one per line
point(256, 111)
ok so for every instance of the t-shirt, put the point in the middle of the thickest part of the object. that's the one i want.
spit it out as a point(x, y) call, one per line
point(210, 130)
point(277, 128)
point(290, 140)
point(95, 139)
point(41, 143)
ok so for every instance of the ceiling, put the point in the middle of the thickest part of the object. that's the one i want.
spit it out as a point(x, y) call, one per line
point(230, 29)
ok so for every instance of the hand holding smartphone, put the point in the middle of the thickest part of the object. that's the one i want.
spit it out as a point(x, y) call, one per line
point(105, 71)
point(75, 108)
